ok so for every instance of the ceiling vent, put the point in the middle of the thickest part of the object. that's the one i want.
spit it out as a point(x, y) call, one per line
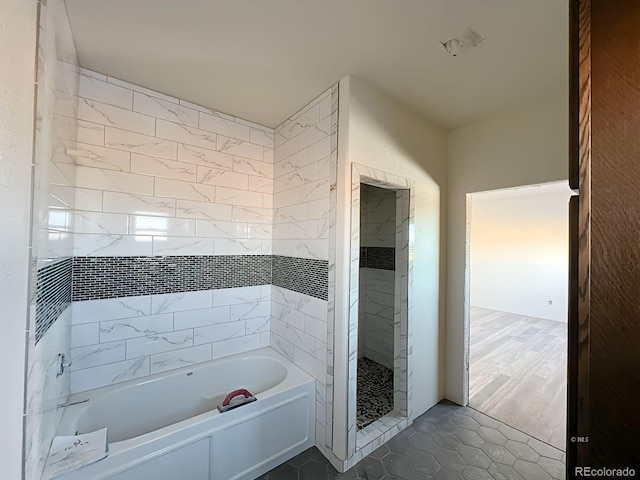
point(459, 45)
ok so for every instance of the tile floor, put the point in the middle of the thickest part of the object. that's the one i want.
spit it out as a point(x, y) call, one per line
point(374, 392)
point(447, 442)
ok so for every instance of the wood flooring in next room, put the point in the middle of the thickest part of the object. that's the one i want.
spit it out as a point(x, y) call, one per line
point(518, 372)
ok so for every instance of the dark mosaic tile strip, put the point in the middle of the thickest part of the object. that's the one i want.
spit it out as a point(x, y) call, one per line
point(114, 277)
point(302, 275)
point(382, 258)
point(53, 294)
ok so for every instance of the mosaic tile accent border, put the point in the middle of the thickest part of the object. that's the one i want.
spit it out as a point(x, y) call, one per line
point(115, 277)
point(382, 258)
point(302, 275)
point(53, 293)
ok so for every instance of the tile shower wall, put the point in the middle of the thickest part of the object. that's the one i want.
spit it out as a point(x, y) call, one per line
point(304, 145)
point(173, 241)
point(120, 339)
point(53, 227)
point(377, 275)
point(160, 176)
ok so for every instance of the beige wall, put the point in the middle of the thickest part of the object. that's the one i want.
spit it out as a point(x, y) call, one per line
point(17, 61)
point(525, 147)
point(388, 136)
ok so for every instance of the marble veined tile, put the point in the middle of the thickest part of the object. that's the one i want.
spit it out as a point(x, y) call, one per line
point(113, 181)
point(90, 378)
point(204, 156)
point(99, 222)
point(110, 309)
point(122, 329)
point(100, 157)
point(162, 362)
point(202, 318)
point(176, 302)
point(178, 189)
point(156, 107)
point(161, 167)
point(108, 115)
point(159, 343)
point(138, 204)
point(182, 246)
point(240, 148)
point(218, 332)
point(95, 89)
point(94, 355)
point(233, 346)
point(213, 122)
point(139, 143)
point(185, 134)
point(102, 245)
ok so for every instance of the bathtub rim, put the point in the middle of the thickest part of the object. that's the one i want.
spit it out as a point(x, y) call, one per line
point(294, 378)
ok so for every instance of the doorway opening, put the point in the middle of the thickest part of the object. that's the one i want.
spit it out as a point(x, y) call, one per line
point(374, 395)
point(517, 304)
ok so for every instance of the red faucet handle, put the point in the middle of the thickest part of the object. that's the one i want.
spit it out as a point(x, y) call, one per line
point(235, 393)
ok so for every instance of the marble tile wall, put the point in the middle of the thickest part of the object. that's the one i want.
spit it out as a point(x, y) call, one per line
point(304, 145)
point(54, 180)
point(119, 339)
point(160, 176)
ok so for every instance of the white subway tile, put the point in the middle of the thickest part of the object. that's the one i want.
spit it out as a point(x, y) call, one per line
point(260, 230)
point(252, 167)
point(92, 74)
point(252, 214)
point(163, 342)
point(96, 245)
point(236, 345)
point(201, 318)
point(110, 309)
point(110, 116)
point(94, 355)
point(218, 229)
point(96, 377)
point(113, 180)
point(171, 111)
point(138, 204)
point(311, 364)
point(319, 150)
point(302, 122)
point(161, 167)
point(258, 324)
point(253, 125)
point(177, 302)
point(286, 314)
point(200, 108)
point(98, 222)
point(315, 190)
point(267, 200)
point(218, 332)
point(318, 209)
point(292, 163)
point(85, 334)
point(88, 199)
point(239, 295)
point(229, 246)
point(185, 134)
point(247, 310)
point(205, 157)
point(184, 190)
point(265, 338)
point(221, 177)
point(303, 230)
point(286, 149)
point(320, 130)
point(146, 91)
point(284, 347)
point(223, 126)
point(287, 198)
point(324, 107)
point(233, 196)
point(90, 133)
point(267, 154)
point(122, 329)
point(315, 327)
point(298, 178)
point(261, 184)
point(203, 210)
point(104, 92)
point(138, 143)
point(162, 362)
point(161, 226)
point(240, 148)
point(292, 213)
point(100, 157)
point(286, 248)
point(261, 137)
point(182, 246)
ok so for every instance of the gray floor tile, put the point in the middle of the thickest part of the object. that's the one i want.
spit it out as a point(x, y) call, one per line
point(446, 443)
point(492, 435)
point(474, 473)
point(473, 456)
point(370, 469)
point(424, 462)
point(522, 451)
point(531, 471)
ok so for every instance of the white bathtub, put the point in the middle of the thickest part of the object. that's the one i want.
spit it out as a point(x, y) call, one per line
point(167, 426)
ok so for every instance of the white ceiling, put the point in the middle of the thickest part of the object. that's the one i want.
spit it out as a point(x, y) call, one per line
point(261, 60)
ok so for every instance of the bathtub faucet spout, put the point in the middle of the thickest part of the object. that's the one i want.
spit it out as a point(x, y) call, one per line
point(62, 405)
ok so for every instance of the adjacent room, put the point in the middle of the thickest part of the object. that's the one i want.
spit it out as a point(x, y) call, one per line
point(518, 263)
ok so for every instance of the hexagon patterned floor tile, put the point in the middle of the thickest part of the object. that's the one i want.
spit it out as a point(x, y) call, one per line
point(449, 442)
